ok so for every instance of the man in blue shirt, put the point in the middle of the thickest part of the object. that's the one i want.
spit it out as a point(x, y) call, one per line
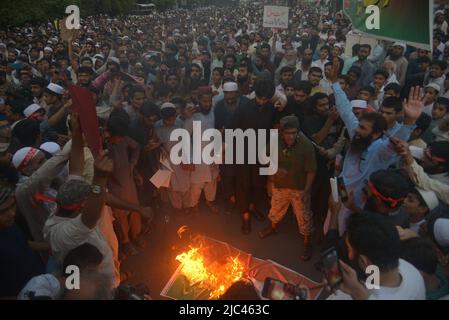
point(368, 68)
point(368, 152)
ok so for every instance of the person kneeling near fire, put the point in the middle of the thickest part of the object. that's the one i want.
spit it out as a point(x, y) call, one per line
point(293, 182)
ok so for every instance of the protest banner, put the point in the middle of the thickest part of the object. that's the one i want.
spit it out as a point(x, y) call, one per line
point(275, 17)
point(84, 105)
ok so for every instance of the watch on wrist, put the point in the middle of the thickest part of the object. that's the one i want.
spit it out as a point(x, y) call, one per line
point(96, 189)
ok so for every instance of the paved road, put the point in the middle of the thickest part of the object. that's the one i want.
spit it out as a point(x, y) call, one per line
point(156, 263)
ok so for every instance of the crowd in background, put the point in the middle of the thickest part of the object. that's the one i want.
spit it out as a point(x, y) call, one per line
point(378, 118)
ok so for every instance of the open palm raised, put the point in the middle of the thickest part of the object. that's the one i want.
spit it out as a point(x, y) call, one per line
point(414, 106)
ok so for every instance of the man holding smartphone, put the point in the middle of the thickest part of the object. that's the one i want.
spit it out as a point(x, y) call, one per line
point(374, 248)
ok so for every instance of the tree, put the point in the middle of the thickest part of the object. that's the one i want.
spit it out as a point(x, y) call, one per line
point(17, 13)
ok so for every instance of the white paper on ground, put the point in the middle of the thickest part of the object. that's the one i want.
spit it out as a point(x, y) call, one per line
point(161, 179)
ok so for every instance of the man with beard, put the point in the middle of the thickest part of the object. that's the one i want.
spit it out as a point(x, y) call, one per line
point(397, 57)
point(194, 79)
point(321, 129)
point(224, 111)
point(244, 79)
point(256, 114)
point(368, 68)
point(368, 152)
point(303, 67)
point(299, 104)
point(204, 176)
point(372, 241)
point(206, 62)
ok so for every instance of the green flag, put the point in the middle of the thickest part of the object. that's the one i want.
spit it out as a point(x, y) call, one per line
point(395, 20)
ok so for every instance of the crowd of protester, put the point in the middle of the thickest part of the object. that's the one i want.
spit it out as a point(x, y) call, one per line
point(378, 118)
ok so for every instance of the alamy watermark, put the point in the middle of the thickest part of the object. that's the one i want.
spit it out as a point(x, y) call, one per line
point(73, 20)
point(190, 148)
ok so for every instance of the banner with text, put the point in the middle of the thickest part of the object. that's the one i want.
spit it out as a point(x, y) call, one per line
point(275, 17)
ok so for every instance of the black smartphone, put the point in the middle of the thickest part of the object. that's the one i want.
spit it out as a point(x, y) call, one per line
point(342, 189)
point(331, 268)
point(275, 289)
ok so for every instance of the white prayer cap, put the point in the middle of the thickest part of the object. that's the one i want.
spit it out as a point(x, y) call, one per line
point(333, 38)
point(31, 109)
point(417, 153)
point(99, 56)
point(50, 147)
point(430, 198)
point(23, 157)
point(230, 87)
point(2, 45)
point(48, 49)
point(114, 60)
point(55, 88)
point(400, 44)
point(339, 45)
point(439, 12)
point(441, 232)
point(434, 86)
point(168, 105)
point(279, 96)
point(359, 104)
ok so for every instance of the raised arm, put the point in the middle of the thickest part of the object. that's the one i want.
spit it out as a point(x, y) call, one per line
point(76, 162)
point(413, 107)
point(417, 174)
point(342, 103)
point(96, 200)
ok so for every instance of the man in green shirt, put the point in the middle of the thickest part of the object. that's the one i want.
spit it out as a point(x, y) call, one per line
point(293, 182)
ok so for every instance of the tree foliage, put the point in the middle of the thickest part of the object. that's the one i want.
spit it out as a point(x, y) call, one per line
point(16, 13)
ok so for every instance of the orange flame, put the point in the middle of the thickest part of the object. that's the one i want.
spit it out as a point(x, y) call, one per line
point(215, 277)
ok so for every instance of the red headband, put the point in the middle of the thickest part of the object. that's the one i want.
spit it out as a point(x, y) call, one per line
point(377, 194)
point(28, 157)
point(434, 158)
point(39, 197)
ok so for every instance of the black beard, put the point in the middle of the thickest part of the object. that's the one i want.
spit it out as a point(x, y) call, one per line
point(205, 111)
point(370, 206)
point(242, 80)
point(359, 145)
point(394, 57)
point(306, 61)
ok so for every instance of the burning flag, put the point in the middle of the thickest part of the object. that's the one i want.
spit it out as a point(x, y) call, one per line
point(211, 276)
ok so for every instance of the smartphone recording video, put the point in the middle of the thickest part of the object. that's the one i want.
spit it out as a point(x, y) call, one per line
point(274, 289)
point(331, 268)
